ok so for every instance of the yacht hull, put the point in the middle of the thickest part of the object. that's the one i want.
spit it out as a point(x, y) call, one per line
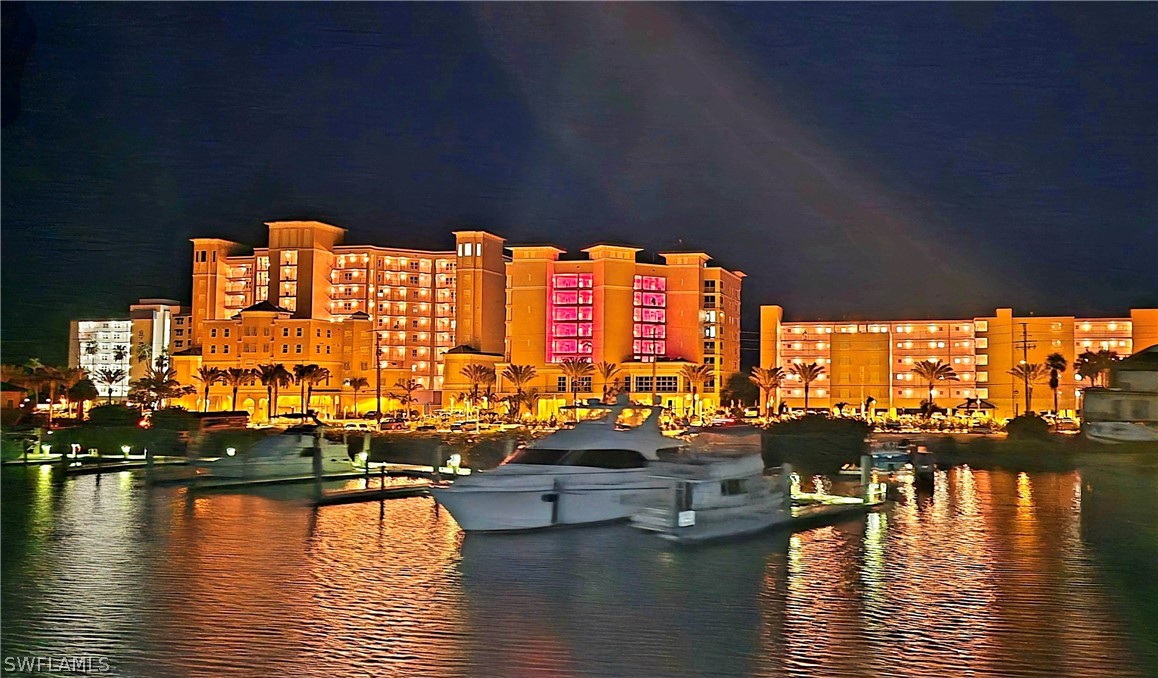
point(511, 503)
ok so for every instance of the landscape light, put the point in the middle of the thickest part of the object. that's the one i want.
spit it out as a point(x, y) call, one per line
point(231, 451)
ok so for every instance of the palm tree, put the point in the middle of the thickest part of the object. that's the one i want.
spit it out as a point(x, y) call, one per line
point(208, 376)
point(520, 376)
point(318, 376)
point(477, 375)
point(109, 378)
point(696, 376)
point(273, 377)
point(806, 374)
point(120, 353)
point(840, 408)
point(302, 376)
point(80, 393)
point(406, 395)
point(767, 379)
point(235, 378)
point(1029, 374)
point(144, 352)
point(933, 371)
point(158, 385)
point(607, 372)
point(575, 369)
point(51, 377)
point(357, 383)
point(70, 377)
point(1056, 363)
point(1092, 366)
point(531, 400)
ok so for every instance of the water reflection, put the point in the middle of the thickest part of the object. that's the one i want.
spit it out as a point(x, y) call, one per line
point(984, 573)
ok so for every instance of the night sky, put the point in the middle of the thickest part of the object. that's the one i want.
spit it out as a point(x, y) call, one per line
point(855, 160)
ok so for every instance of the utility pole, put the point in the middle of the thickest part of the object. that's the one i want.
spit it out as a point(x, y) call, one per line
point(378, 378)
point(1025, 345)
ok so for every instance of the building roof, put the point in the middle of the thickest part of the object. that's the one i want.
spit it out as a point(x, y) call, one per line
point(6, 387)
point(467, 349)
point(191, 351)
point(264, 306)
point(1145, 360)
point(359, 315)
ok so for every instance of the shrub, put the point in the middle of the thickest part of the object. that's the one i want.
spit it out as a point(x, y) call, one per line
point(113, 415)
point(174, 419)
point(1027, 426)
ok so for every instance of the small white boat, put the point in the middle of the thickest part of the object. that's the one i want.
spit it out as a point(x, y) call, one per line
point(716, 497)
point(594, 472)
point(286, 455)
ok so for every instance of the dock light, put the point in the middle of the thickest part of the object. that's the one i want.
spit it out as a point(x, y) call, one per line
point(125, 449)
point(231, 451)
point(364, 456)
point(46, 448)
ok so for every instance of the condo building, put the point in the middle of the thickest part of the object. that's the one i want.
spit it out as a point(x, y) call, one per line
point(867, 359)
point(650, 320)
point(154, 326)
point(393, 315)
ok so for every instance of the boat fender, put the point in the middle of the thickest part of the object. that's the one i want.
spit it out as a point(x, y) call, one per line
point(550, 497)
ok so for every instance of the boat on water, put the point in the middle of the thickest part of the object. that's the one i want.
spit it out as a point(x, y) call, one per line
point(288, 454)
point(892, 460)
point(716, 497)
point(598, 471)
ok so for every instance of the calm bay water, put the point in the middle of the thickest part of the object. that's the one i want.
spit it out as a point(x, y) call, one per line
point(993, 573)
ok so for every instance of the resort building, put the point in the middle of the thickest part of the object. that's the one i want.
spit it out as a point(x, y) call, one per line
point(96, 345)
point(306, 298)
point(154, 326)
point(874, 359)
point(649, 322)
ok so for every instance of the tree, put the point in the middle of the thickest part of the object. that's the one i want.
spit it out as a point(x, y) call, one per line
point(575, 369)
point(1093, 366)
point(696, 376)
point(273, 377)
point(767, 380)
point(144, 352)
point(806, 374)
point(235, 378)
point(120, 353)
point(109, 378)
point(157, 386)
point(1056, 363)
point(303, 374)
point(932, 371)
point(406, 394)
point(477, 375)
point(840, 408)
point(357, 384)
point(531, 400)
point(607, 372)
point(91, 348)
point(208, 376)
point(739, 388)
point(520, 376)
point(80, 393)
point(70, 377)
point(1029, 374)
point(318, 376)
point(44, 375)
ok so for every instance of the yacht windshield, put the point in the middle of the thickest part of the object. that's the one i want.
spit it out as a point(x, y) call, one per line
point(536, 455)
point(608, 458)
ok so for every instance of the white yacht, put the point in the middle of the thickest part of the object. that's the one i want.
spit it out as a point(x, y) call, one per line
point(598, 471)
point(286, 455)
point(714, 497)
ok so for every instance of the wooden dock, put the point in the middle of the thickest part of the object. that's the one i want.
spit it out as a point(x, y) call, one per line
point(372, 494)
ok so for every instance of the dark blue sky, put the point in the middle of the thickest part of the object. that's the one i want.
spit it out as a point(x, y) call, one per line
point(856, 160)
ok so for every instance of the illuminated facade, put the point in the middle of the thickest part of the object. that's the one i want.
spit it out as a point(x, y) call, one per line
point(305, 298)
point(650, 320)
point(864, 359)
point(95, 345)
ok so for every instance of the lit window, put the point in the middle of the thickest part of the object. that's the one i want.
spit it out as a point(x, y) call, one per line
point(932, 328)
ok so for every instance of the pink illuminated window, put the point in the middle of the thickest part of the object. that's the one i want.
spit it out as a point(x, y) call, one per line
point(649, 316)
point(570, 326)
